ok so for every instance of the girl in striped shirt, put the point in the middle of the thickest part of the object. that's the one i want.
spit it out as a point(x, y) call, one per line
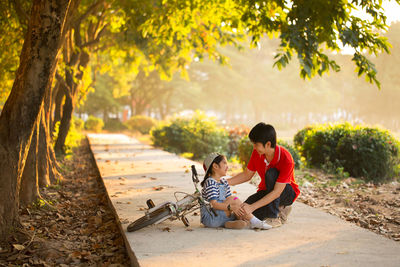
point(216, 190)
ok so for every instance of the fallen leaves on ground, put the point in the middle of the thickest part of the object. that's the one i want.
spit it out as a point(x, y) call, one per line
point(79, 231)
point(371, 206)
point(158, 188)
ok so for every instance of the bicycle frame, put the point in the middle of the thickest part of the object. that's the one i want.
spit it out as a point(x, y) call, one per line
point(172, 210)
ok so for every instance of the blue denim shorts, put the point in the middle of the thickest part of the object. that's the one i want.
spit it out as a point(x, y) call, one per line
point(210, 220)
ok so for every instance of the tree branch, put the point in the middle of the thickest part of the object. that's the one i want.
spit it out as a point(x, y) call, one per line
point(64, 85)
point(89, 11)
point(97, 40)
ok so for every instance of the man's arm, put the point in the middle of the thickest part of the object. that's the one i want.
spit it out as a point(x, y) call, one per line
point(242, 177)
point(271, 196)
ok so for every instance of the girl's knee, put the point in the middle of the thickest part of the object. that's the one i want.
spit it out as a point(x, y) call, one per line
point(237, 201)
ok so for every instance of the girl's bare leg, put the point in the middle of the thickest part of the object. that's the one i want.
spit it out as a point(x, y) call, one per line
point(235, 201)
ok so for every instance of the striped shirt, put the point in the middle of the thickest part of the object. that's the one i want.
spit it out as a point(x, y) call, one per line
point(211, 189)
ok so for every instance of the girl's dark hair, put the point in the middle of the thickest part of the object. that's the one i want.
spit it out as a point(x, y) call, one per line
point(262, 133)
point(217, 160)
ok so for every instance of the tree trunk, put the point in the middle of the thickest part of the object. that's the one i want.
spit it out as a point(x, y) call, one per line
point(46, 143)
point(29, 190)
point(64, 125)
point(21, 111)
point(57, 114)
point(47, 164)
point(81, 60)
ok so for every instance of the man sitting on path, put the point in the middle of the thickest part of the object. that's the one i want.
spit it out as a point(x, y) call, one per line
point(277, 189)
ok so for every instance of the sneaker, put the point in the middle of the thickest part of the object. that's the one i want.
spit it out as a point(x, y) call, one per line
point(263, 226)
point(273, 222)
point(284, 212)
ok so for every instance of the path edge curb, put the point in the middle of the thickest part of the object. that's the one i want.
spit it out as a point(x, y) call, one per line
point(133, 259)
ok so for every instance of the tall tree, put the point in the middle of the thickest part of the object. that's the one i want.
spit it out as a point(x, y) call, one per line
point(80, 40)
point(22, 108)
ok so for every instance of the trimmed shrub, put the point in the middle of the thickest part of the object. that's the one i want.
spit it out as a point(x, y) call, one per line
point(245, 149)
point(171, 136)
point(235, 134)
point(94, 124)
point(369, 153)
point(79, 123)
point(366, 152)
point(199, 135)
point(298, 139)
point(319, 143)
point(142, 124)
point(114, 125)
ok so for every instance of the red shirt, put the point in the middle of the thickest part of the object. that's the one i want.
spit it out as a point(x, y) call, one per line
point(282, 161)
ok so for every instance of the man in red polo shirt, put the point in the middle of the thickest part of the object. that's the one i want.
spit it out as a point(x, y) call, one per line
point(277, 189)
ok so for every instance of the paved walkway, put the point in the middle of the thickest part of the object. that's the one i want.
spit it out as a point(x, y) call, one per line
point(133, 172)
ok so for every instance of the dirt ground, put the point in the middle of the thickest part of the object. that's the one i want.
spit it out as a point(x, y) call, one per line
point(80, 229)
point(374, 207)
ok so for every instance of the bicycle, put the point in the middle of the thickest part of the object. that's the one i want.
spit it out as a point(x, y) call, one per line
point(172, 210)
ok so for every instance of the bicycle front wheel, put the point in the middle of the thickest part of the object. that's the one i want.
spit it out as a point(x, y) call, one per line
point(149, 219)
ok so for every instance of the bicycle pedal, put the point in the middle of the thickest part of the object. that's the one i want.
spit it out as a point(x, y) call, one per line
point(150, 203)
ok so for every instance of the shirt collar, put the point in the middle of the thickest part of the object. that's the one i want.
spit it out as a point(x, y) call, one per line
point(277, 157)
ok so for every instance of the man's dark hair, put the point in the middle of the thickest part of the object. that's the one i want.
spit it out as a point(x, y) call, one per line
point(262, 133)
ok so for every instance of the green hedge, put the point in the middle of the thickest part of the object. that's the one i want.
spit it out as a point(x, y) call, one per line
point(94, 124)
point(298, 139)
point(319, 143)
point(366, 152)
point(198, 135)
point(78, 123)
point(235, 134)
point(246, 148)
point(142, 124)
point(114, 125)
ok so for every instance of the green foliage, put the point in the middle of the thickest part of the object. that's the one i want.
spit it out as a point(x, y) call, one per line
point(199, 135)
point(79, 124)
point(293, 151)
point(94, 124)
point(298, 139)
point(74, 135)
point(246, 148)
point(335, 169)
point(102, 99)
point(319, 144)
point(371, 153)
point(140, 123)
point(235, 134)
point(12, 30)
point(169, 33)
point(114, 125)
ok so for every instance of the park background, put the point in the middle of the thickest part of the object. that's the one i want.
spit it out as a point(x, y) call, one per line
point(205, 106)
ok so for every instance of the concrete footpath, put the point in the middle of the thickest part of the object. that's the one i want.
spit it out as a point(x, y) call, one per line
point(134, 172)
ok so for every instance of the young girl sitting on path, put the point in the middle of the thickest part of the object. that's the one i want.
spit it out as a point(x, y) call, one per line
point(217, 191)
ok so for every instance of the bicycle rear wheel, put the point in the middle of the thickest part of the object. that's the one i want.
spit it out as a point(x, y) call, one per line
point(151, 218)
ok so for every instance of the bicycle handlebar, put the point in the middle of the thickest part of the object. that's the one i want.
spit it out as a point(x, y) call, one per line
point(194, 174)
